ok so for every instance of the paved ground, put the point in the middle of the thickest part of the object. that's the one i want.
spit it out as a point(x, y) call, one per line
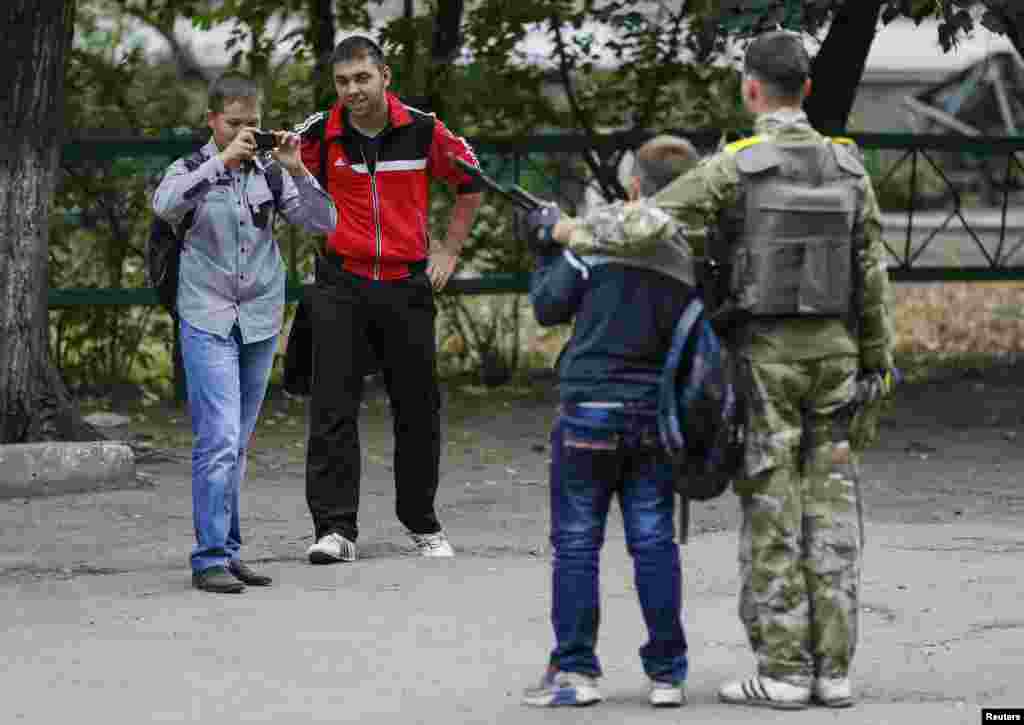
point(100, 621)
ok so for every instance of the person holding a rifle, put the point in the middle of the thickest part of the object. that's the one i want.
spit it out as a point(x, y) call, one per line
point(605, 442)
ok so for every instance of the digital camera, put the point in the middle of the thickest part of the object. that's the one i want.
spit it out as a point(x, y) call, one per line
point(265, 140)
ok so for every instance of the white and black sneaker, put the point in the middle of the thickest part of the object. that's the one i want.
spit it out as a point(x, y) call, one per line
point(432, 545)
point(331, 549)
point(765, 692)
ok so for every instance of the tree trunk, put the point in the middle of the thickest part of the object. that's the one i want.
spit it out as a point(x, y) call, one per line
point(34, 402)
point(444, 49)
point(447, 38)
point(839, 65)
point(1012, 22)
point(321, 13)
point(408, 77)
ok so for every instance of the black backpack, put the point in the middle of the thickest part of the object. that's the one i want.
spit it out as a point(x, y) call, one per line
point(163, 249)
point(699, 412)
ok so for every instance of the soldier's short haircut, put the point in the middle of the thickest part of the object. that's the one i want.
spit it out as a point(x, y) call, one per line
point(659, 161)
point(357, 47)
point(779, 59)
point(232, 87)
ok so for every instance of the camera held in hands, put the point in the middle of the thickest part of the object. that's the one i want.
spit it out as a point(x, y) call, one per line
point(265, 140)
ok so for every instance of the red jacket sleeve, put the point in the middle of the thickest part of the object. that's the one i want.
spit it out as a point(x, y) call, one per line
point(310, 151)
point(311, 134)
point(444, 147)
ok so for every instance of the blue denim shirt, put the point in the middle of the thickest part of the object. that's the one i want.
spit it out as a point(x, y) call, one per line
point(231, 267)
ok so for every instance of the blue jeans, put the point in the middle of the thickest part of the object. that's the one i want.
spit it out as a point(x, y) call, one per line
point(226, 380)
point(597, 453)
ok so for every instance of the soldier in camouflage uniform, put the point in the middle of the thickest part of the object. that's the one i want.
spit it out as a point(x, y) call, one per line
point(794, 221)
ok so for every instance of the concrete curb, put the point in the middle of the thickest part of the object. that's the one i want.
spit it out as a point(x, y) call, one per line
point(43, 469)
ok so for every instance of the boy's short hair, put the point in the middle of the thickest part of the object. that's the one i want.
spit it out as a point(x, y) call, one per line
point(357, 47)
point(659, 161)
point(230, 87)
point(779, 59)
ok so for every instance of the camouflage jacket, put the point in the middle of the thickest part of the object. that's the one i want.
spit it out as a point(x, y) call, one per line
point(620, 229)
point(658, 249)
point(695, 203)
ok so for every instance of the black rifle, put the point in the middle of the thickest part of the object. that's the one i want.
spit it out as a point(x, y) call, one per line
point(514, 193)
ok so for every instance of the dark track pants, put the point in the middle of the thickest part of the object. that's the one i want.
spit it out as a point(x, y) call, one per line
point(353, 316)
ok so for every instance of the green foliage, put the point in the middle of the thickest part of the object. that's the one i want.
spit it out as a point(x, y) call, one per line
point(481, 334)
point(100, 217)
point(957, 18)
point(671, 67)
point(110, 83)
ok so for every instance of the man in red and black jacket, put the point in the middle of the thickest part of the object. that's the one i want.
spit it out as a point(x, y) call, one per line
point(374, 293)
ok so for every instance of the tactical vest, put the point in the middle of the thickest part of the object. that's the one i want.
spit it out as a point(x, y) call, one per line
point(791, 251)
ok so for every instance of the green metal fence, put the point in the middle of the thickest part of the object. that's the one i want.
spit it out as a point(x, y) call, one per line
point(990, 247)
point(993, 236)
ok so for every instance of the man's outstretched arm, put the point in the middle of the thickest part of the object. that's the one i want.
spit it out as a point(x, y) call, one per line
point(620, 229)
point(689, 205)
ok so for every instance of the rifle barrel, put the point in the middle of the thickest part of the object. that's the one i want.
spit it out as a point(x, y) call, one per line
point(515, 194)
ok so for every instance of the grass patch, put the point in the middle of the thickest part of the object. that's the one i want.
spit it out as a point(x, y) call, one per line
point(957, 329)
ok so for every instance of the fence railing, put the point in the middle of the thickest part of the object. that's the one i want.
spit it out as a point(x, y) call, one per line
point(944, 240)
point(951, 240)
point(502, 283)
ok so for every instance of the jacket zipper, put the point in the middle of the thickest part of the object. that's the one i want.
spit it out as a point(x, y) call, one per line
point(378, 234)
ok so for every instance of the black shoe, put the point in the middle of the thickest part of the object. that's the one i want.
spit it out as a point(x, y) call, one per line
point(244, 574)
point(217, 579)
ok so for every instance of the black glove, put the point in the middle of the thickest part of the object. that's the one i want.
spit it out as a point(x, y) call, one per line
point(540, 225)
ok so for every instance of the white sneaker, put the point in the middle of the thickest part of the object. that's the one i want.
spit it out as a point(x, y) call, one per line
point(765, 692)
point(432, 545)
point(667, 694)
point(331, 549)
point(833, 692)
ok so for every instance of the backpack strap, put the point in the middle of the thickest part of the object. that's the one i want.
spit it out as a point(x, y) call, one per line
point(670, 429)
point(192, 162)
point(275, 180)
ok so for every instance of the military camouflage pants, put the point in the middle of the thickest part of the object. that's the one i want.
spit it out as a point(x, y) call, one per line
point(802, 529)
